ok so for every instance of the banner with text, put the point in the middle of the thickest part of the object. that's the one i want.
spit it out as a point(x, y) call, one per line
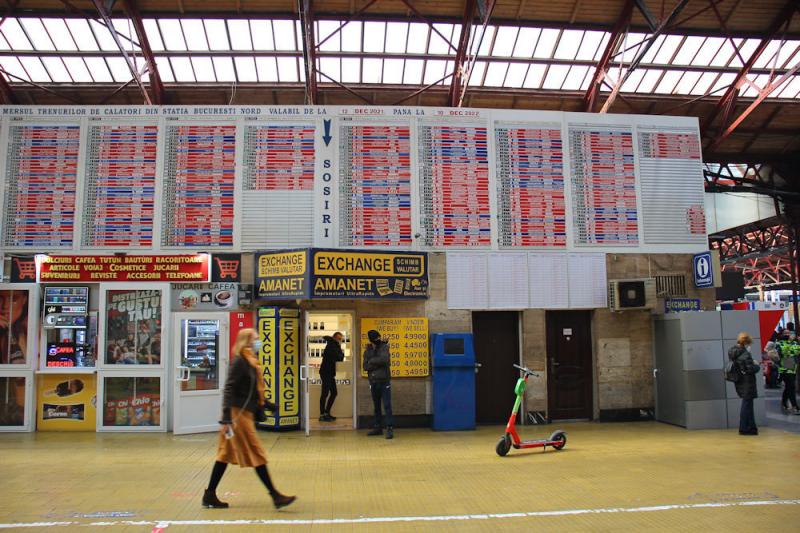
point(408, 344)
point(374, 275)
point(279, 358)
point(124, 268)
point(282, 275)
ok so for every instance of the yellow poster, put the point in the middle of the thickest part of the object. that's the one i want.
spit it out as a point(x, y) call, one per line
point(289, 400)
point(267, 330)
point(408, 344)
point(66, 402)
point(279, 357)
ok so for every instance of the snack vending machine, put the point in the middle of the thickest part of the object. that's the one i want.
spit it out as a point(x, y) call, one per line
point(70, 331)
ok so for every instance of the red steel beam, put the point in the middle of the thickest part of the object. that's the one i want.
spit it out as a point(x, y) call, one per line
point(306, 8)
point(132, 10)
point(459, 70)
point(782, 18)
point(617, 35)
point(6, 92)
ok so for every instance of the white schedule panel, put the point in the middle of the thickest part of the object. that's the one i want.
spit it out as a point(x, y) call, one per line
point(671, 172)
point(467, 280)
point(508, 280)
point(278, 185)
point(41, 186)
point(548, 280)
point(588, 285)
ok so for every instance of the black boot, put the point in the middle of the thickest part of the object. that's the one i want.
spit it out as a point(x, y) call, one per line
point(210, 501)
point(375, 431)
point(281, 500)
point(389, 432)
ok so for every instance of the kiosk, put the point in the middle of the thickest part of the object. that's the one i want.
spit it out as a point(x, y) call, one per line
point(453, 381)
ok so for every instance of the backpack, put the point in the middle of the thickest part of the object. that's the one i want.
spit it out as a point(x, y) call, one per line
point(732, 372)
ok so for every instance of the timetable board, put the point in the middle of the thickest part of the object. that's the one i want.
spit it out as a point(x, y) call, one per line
point(671, 168)
point(41, 185)
point(530, 185)
point(467, 280)
point(375, 184)
point(454, 185)
point(548, 280)
point(199, 185)
point(120, 185)
point(278, 184)
point(604, 207)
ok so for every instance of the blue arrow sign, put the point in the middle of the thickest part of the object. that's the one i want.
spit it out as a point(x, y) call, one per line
point(327, 136)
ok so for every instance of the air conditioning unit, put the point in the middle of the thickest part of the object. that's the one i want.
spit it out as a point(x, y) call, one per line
point(630, 294)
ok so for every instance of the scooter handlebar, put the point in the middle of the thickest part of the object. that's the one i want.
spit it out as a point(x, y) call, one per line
point(526, 370)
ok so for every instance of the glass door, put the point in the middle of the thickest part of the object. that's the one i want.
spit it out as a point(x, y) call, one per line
point(201, 348)
point(16, 401)
point(19, 306)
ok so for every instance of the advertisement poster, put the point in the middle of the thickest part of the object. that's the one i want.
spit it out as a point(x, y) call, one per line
point(13, 327)
point(66, 402)
point(124, 268)
point(279, 331)
point(238, 322)
point(408, 344)
point(204, 296)
point(12, 401)
point(282, 275)
point(132, 401)
point(133, 327)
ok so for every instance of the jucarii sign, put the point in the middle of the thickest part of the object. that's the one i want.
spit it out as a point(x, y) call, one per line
point(703, 270)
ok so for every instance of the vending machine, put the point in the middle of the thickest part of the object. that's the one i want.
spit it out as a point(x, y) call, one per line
point(70, 330)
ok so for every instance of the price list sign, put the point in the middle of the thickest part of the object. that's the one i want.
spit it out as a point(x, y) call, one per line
point(530, 171)
point(375, 185)
point(454, 185)
point(199, 185)
point(603, 185)
point(120, 185)
point(279, 158)
point(41, 177)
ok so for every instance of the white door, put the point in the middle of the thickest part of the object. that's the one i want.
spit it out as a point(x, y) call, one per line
point(200, 345)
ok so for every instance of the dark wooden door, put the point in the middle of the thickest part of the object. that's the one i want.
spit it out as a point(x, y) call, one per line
point(496, 337)
point(569, 364)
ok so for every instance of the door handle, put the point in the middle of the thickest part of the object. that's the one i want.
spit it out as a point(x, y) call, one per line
point(553, 365)
point(183, 373)
point(477, 367)
point(303, 372)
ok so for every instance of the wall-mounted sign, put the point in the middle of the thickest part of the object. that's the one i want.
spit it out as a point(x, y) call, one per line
point(282, 275)
point(408, 344)
point(226, 268)
point(204, 296)
point(703, 270)
point(674, 305)
point(279, 331)
point(23, 270)
point(99, 268)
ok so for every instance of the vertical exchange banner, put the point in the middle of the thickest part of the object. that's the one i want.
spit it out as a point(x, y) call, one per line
point(408, 344)
point(279, 331)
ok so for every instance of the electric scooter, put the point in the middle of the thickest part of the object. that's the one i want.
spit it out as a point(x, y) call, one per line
point(557, 439)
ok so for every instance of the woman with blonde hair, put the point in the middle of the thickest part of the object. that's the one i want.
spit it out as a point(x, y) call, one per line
point(238, 442)
point(746, 383)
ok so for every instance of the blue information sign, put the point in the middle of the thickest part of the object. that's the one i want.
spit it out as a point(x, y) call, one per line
point(703, 271)
point(673, 305)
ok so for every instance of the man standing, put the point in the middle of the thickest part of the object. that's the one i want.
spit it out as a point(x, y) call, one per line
point(327, 372)
point(376, 364)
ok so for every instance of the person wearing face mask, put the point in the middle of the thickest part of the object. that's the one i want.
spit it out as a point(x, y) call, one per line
point(238, 443)
point(746, 384)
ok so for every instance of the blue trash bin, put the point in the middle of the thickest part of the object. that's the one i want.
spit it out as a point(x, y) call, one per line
point(453, 381)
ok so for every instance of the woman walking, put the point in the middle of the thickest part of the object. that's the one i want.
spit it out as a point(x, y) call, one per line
point(238, 443)
point(746, 384)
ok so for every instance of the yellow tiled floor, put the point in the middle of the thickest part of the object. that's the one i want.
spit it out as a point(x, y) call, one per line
point(611, 470)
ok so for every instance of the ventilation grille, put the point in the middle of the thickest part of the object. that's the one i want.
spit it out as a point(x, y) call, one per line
point(671, 285)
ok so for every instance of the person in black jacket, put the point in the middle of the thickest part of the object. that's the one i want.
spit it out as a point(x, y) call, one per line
point(746, 385)
point(327, 373)
point(377, 364)
point(238, 443)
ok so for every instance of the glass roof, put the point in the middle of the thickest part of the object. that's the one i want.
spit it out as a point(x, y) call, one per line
point(415, 54)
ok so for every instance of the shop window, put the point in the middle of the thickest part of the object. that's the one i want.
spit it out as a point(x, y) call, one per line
point(133, 327)
point(12, 401)
point(13, 327)
point(131, 401)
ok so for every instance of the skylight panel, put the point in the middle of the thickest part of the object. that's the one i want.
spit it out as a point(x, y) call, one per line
point(650, 55)
point(413, 72)
point(13, 66)
point(791, 89)
point(568, 44)
point(37, 34)
point(13, 33)
point(182, 67)
point(633, 80)
point(768, 55)
point(126, 33)
point(351, 70)
point(203, 69)
point(373, 69)
point(688, 50)
point(669, 82)
point(284, 36)
point(35, 69)
point(788, 53)
point(704, 83)
point(119, 69)
point(632, 46)
point(590, 45)
point(396, 34)
point(3, 43)
point(668, 49)
point(476, 78)
point(223, 66)
point(516, 75)
point(504, 41)
point(393, 71)
point(351, 37)
point(747, 48)
point(723, 81)
point(59, 34)
point(547, 41)
point(708, 51)
point(215, 36)
point(261, 31)
point(153, 35)
point(164, 69)
point(649, 81)
point(239, 31)
point(574, 79)
point(486, 42)
point(535, 76)
point(267, 69)
point(725, 54)
point(602, 47)
point(55, 67)
point(173, 36)
point(246, 69)
point(373, 36)
point(439, 45)
point(77, 69)
point(327, 35)
point(555, 76)
point(526, 42)
point(98, 69)
point(687, 82)
point(287, 69)
point(418, 38)
point(495, 74)
point(434, 71)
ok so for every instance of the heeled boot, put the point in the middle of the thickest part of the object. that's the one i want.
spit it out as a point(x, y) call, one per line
point(281, 500)
point(210, 500)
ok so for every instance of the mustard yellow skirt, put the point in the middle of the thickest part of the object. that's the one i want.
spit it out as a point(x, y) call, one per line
point(244, 448)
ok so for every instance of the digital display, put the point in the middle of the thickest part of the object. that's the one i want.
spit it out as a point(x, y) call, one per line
point(61, 354)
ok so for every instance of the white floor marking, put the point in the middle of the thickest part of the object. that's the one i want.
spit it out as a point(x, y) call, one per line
point(383, 519)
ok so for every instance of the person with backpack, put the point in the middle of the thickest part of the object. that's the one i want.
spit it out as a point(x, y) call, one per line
point(789, 352)
point(742, 371)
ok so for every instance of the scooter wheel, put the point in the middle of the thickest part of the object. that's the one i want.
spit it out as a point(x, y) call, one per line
point(559, 441)
point(503, 445)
